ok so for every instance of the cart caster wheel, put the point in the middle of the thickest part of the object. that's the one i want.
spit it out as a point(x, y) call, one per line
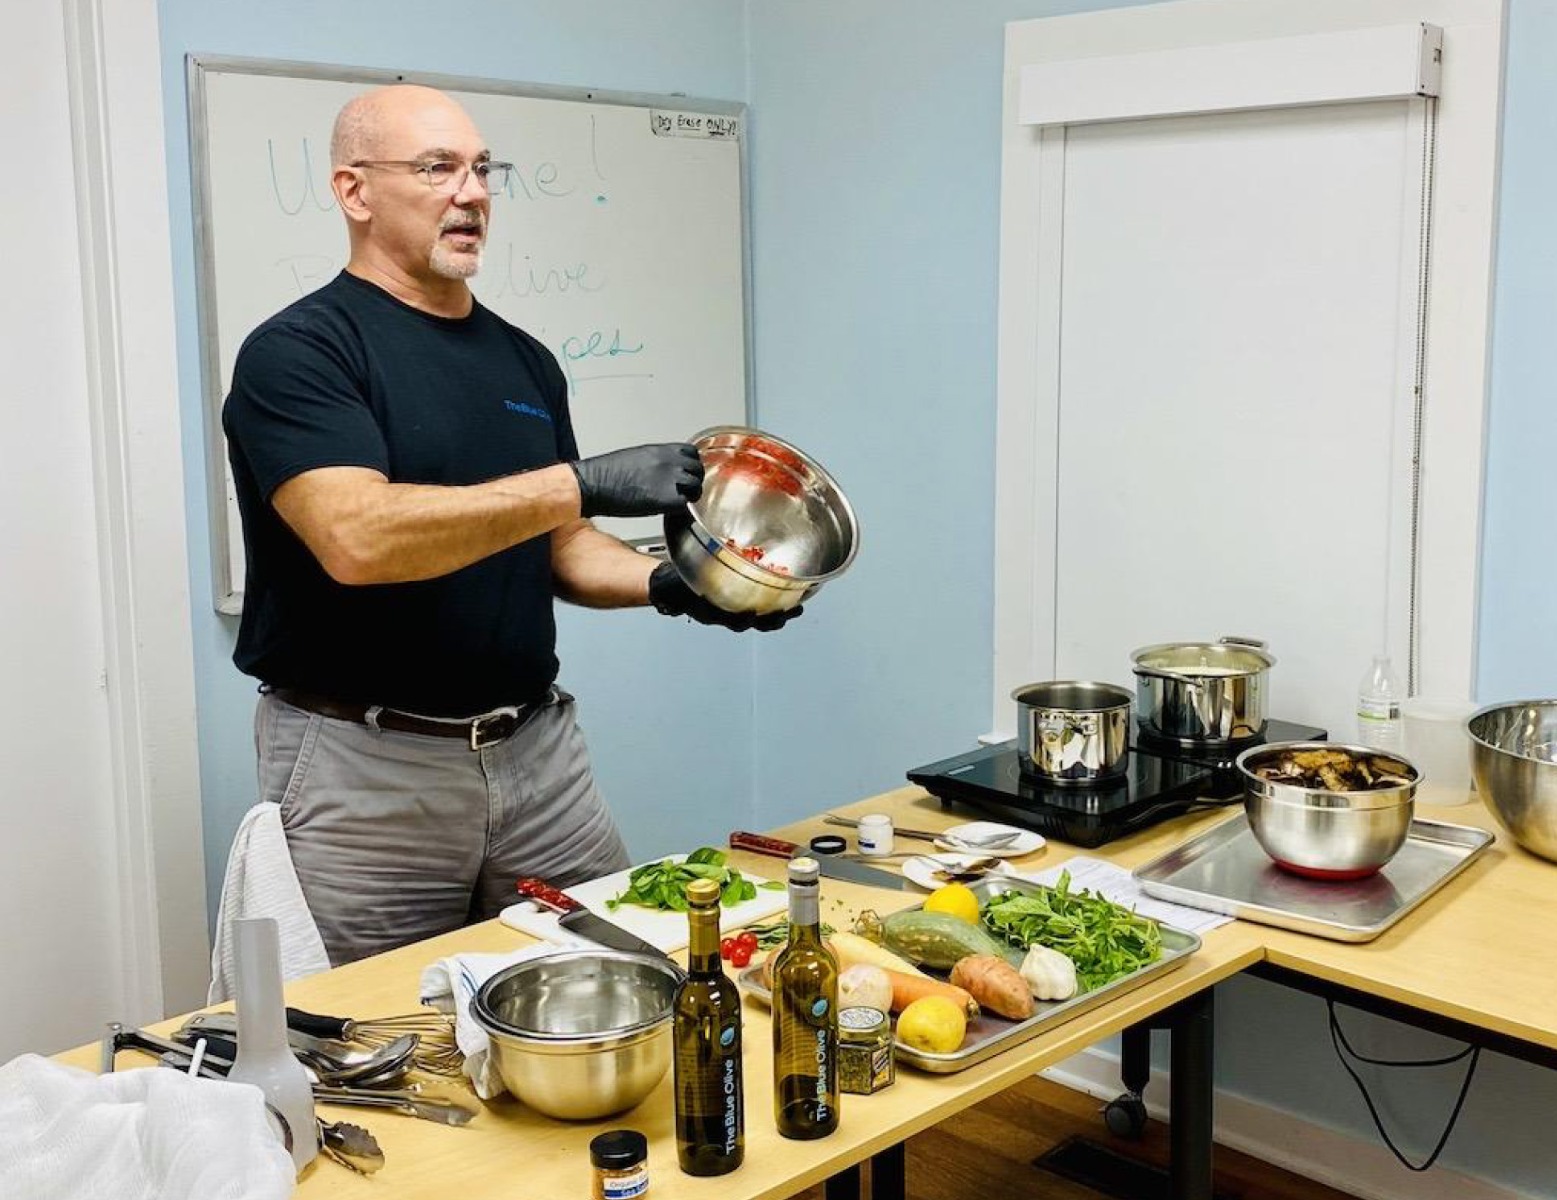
point(1125, 1117)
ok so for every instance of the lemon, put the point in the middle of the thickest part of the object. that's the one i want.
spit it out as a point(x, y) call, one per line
point(955, 899)
point(933, 1024)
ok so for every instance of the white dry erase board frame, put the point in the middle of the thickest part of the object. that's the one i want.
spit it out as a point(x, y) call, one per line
point(621, 244)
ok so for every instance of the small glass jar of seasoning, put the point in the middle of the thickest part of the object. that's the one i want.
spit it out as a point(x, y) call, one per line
point(620, 1159)
point(865, 1061)
point(875, 834)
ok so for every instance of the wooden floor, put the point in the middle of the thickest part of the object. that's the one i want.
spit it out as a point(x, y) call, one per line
point(988, 1151)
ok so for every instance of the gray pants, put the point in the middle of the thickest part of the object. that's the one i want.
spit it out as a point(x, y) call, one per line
point(401, 836)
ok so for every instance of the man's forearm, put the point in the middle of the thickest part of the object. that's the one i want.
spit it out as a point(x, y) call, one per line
point(596, 570)
point(364, 529)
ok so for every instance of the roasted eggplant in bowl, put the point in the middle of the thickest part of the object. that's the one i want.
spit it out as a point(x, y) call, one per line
point(1327, 810)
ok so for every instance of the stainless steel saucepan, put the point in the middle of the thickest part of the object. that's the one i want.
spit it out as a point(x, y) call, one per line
point(1071, 732)
point(1203, 692)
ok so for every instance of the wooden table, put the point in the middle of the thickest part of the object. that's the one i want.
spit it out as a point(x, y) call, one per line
point(1472, 956)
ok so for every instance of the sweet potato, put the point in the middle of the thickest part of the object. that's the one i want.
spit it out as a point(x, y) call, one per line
point(995, 984)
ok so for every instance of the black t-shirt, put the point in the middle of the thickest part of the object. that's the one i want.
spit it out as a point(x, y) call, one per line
point(350, 376)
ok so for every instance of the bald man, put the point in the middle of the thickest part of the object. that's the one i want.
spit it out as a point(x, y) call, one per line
point(412, 501)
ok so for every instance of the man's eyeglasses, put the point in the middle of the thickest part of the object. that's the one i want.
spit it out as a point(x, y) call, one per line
point(447, 176)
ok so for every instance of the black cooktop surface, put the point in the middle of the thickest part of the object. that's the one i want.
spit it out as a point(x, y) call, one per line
point(1161, 782)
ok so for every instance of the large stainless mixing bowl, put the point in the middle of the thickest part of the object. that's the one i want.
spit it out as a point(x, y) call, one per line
point(1514, 760)
point(769, 529)
point(581, 1034)
point(1320, 833)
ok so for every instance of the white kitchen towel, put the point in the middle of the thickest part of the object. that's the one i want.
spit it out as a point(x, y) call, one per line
point(261, 882)
point(139, 1135)
point(450, 984)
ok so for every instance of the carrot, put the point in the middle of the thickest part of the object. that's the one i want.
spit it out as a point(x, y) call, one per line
point(995, 984)
point(908, 988)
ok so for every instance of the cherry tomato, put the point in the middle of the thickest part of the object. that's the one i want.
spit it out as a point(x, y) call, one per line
point(748, 939)
point(726, 947)
point(740, 956)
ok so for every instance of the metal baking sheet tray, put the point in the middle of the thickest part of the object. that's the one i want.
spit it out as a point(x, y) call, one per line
point(988, 1034)
point(1225, 871)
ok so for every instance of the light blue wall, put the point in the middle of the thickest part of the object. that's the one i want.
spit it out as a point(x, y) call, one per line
point(1518, 636)
point(875, 166)
point(667, 706)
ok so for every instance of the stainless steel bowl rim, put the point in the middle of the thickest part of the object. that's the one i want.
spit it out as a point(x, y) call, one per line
point(745, 566)
point(1504, 706)
point(481, 1006)
point(1122, 697)
point(565, 1044)
point(1300, 796)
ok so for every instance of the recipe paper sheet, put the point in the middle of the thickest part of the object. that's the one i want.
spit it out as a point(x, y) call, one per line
point(1118, 885)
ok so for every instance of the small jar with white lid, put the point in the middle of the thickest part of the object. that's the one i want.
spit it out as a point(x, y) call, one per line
point(875, 834)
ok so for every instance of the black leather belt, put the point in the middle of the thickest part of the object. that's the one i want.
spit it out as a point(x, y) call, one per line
point(485, 729)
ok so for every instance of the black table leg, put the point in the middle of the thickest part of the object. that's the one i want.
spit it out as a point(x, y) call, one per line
point(888, 1173)
point(1191, 1097)
point(845, 1185)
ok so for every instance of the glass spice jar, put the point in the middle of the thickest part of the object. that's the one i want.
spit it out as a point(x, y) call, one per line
point(865, 1060)
point(620, 1158)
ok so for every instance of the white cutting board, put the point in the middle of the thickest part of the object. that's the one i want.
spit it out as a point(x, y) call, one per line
point(667, 930)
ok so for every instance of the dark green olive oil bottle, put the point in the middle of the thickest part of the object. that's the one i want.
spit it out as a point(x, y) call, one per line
point(710, 1112)
point(805, 1016)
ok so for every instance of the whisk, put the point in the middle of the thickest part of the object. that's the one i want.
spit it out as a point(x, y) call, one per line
point(436, 1050)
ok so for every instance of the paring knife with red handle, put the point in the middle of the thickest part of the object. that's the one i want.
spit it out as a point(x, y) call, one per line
point(575, 918)
point(831, 865)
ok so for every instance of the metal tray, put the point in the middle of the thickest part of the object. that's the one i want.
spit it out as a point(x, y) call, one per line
point(988, 1034)
point(1225, 871)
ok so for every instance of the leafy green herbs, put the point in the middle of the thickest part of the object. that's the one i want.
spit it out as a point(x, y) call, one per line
point(1103, 939)
point(663, 885)
point(776, 933)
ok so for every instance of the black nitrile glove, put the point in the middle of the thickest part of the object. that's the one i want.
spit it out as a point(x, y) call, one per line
point(639, 482)
point(671, 596)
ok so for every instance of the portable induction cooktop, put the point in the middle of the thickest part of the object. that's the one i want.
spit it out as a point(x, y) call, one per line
point(1164, 779)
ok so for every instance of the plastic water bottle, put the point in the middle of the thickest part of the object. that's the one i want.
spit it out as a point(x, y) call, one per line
point(1378, 706)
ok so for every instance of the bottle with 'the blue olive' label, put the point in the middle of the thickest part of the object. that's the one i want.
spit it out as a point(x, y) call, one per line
point(805, 1016)
point(710, 1113)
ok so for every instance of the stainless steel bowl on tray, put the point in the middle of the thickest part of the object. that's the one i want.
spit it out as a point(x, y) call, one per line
point(770, 528)
point(1327, 810)
point(580, 1034)
point(1514, 761)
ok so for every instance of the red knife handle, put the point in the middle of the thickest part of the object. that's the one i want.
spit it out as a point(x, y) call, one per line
point(759, 844)
point(545, 895)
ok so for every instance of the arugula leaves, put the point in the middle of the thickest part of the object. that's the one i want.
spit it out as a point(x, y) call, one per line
point(1103, 939)
point(663, 885)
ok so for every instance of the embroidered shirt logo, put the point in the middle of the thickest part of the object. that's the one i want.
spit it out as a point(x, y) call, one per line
point(527, 410)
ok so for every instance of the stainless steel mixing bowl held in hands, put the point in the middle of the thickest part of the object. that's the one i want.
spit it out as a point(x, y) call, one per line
point(1319, 824)
point(770, 528)
point(1514, 761)
point(580, 1034)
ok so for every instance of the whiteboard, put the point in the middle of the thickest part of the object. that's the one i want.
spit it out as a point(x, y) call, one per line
point(620, 243)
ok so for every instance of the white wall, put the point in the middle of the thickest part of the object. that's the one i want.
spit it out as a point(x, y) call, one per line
point(55, 859)
point(101, 903)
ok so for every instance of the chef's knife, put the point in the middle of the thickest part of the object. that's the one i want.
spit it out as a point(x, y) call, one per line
point(831, 865)
point(575, 918)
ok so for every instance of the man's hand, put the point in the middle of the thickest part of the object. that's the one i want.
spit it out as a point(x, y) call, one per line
point(671, 596)
point(639, 482)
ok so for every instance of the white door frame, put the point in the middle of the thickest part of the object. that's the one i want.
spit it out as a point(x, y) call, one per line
point(123, 228)
point(1459, 306)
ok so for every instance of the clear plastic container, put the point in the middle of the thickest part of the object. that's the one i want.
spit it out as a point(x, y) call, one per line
point(1435, 740)
point(1378, 706)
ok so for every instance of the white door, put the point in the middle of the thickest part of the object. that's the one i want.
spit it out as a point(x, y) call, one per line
point(1245, 263)
point(102, 913)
